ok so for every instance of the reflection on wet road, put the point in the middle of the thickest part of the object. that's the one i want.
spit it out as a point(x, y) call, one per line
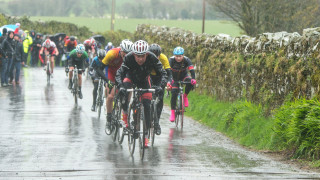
point(44, 135)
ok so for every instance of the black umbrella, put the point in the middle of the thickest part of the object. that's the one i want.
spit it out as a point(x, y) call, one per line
point(63, 35)
point(99, 38)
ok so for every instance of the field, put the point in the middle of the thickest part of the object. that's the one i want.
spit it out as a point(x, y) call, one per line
point(103, 24)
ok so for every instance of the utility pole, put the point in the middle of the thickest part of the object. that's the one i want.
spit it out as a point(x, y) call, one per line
point(112, 14)
point(203, 14)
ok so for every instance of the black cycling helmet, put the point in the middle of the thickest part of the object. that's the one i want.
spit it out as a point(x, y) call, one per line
point(101, 53)
point(72, 38)
point(156, 49)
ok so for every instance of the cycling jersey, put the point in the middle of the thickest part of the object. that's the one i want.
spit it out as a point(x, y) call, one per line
point(113, 60)
point(73, 59)
point(164, 61)
point(51, 49)
point(96, 68)
point(179, 69)
point(88, 46)
point(69, 45)
point(139, 74)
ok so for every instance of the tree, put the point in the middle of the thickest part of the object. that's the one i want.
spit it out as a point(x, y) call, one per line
point(258, 16)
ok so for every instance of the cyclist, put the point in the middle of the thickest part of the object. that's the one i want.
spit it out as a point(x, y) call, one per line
point(156, 49)
point(136, 69)
point(113, 61)
point(109, 46)
point(90, 44)
point(49, 47)
point(69, 45)
point(77, 57)
point(96, 70)
point(179, 65)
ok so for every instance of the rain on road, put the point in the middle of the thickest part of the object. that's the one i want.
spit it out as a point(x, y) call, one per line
point(44, 136)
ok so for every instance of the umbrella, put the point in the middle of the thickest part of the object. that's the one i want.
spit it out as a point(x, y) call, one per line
point(99, 38)
point(63, 35)
point(10, 27)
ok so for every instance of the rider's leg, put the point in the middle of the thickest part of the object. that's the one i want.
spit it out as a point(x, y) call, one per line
point(109, 103)
point(80, 84)
point(187, 90)
point(70, 76)
point(174, 95)
point(127, 85)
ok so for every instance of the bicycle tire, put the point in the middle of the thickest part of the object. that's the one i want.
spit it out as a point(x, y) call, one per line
point(177, 112)
point(118, 114)
point(99, 99)
point(75, 89)
point(48, 72)
point(132, 130)
point(144, 133)
point(154, 119)
point(181, 112)
point(115, 132)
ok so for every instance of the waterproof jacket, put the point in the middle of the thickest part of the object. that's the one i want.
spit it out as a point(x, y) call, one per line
point(8, 47)
point(27, 42)
point(17, 57)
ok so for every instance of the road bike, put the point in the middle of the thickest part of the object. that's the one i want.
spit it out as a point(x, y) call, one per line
point(48, 68)
point(75, 84)
point(100, 95)
point(180, 109)
point(137, 127)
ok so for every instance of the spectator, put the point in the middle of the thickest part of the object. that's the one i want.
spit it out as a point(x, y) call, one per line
point(17, 58)
point(26, 43)
point(7, 46)
point(60, 45)
point(4, 35)
point(36, 46)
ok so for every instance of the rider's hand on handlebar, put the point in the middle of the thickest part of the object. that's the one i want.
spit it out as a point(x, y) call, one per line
point(193, 82)
point(122, 90)
point(169, 86)
point(66, 70)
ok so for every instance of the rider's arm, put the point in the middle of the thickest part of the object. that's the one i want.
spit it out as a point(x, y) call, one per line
point(122, 71)
point(41, 51)
point(190, 67)
point(56, 51)
point(109, 57)
point(159, 70)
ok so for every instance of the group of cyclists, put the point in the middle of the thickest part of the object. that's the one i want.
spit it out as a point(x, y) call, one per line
point(132, 64)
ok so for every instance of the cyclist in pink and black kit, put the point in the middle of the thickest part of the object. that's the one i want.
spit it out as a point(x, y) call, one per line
point(49, 47)
point(180, 65)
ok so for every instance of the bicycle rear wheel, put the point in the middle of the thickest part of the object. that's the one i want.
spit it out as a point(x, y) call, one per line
point(132, 129)
point(100, 99)
point(122, 131)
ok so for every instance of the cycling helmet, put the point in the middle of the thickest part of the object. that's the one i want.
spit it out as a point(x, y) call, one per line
point(101, 53)
point(92, 41)
point(178, 51)
point(72, 38)
point(140, 47)
point(156, 49)
point(80, 48)
point(125, 45)
point(47, 43)
point(109, 43)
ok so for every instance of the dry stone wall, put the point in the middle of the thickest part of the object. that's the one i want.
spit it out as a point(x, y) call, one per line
point(264, 69)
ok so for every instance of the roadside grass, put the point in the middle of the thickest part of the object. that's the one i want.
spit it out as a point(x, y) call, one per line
point(103, 24)
point(241, 120)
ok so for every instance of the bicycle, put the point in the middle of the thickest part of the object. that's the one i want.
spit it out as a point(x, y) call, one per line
point(48, 68)
point(137, 121)
point(116, 122)
point(99, 100)
point(180, 109)
point(75, 82)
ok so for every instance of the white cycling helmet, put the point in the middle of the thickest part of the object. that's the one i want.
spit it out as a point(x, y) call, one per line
point(109, 43)
point(125, 45)
point(80, 48)
point(140, 47)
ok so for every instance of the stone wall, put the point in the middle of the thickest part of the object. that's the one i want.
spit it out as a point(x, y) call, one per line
point(264, 69)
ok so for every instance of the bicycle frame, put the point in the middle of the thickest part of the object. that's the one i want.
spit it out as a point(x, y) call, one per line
point(99, 100)
point(75, 81)
point(180, 109)
point(48, 67)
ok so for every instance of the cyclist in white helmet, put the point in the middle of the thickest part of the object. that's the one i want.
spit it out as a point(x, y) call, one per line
point(136, 69)
point(113, 61)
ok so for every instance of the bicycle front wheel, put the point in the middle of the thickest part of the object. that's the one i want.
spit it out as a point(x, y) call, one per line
point(181, 109)
point(48, 72)
point(132, 129)
point(75, 90)
point(143, 133)
point(154, 116)
point(100, 100)
point(177, 111)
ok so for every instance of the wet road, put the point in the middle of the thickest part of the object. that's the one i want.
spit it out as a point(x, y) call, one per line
point(44, 136)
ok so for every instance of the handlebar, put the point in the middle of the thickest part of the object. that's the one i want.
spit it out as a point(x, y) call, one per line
point(141, 90)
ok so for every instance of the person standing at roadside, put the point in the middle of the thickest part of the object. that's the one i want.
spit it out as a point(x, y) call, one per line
point(7, 47)
point(36, 46)
point(26, 43)
point(17, 58)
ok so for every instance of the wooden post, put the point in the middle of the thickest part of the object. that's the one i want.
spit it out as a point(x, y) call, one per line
point(113, 14)
point(203, 14)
